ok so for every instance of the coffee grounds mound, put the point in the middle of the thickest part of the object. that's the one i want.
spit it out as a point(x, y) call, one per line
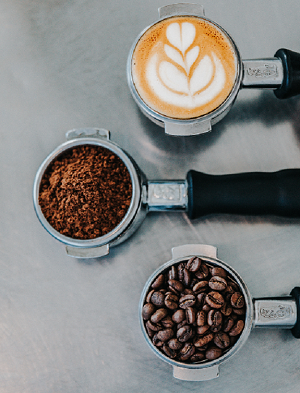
point(85, 192)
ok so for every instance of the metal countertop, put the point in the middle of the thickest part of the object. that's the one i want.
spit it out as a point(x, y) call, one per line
point(70, 325)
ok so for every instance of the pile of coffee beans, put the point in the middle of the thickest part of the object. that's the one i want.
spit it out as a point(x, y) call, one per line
point(194, 311)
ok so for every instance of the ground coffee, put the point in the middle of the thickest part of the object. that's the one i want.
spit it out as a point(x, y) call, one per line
point(85, 192)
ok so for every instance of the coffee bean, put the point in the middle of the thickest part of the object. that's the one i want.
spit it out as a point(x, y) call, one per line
point(197, 357)
point(156, 341)
point(214, 320)
point(184, 333)
point(203, 272)
point(222, 340)
point(171, 353)
point(217, 283)
point(186, 351)
point(158, 298)
point(171, 301)
point(213, 353)
point(148, 310)
point(193, 264)
point(187, 301)
point(172, 274)
point(159, 281)
point(190, 315)
point(175, 286)
point(237, 328)
point(214, 299)
point(167, 322)
point(201, 318)
point(149, 295)
point(178, 316)
point(201, 286)
point(218, 271)
point(155, 327)
point(159, 315)
point(187, 278)
point(226, 309)
point(175, 344)
point(203, 329)
point(228, 324)
point(237, 300)
point(200, 341)
point(165, 335)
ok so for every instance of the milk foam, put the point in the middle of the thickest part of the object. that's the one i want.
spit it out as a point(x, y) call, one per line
point(182, 73)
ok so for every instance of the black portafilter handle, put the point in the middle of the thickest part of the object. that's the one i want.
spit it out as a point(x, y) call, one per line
point(291, 74)
point(253, 193)
point(295, 293)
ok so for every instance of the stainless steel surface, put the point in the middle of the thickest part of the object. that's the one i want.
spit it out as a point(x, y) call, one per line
point(70, 325)
point(262, 73)
point(275, 313)
point(167, 195)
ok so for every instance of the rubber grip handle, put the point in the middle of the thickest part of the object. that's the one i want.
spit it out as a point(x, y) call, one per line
point(296, 295)
point(254, 193)
point(291, 73)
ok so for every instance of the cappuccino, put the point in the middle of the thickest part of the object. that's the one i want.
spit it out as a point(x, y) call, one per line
point(184, 67)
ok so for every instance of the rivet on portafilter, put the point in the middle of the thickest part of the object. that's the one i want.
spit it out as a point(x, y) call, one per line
point(185, 71)
point(196, 312)
point(64, 180)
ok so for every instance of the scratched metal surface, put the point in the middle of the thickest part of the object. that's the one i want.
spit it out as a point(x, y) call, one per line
point(70, 325)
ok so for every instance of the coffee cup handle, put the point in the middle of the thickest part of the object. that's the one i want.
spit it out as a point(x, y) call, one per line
point(253, 193)
point(291, 73)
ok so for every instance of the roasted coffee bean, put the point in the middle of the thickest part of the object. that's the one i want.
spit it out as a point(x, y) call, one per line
point(206, 307)
point(187, 291)
point(171, 301)
point(167, 322)
point(239, 311)
point(178, 316)
point(155, 327)
point(175, 344)
point(180, 269)
point(197, 357)
point(237, 300)
point(214, 299)
point(159, 282)
point(173, 274)
point(181, 324)
point(165, 335)
point(222, 340)
point(228, 324)
point(226, 309)
point(149, 295)
point(201, 318)
point(187, 278)
point(169, 351)
point(187, 301)
point(156, 341)
point(175, 286)
point(201, 286)
point(200, 341)
point(214, 320)
point(186, 351)
point(158, 298)
point(218, 271)
point(237, 328)
point(213, 353)
point(184, 333)
point(193, 264)
point(148, 310)
point(159, 315)
point(203, 272)
point(217, 283)
point(202, 329)
point(190, 315)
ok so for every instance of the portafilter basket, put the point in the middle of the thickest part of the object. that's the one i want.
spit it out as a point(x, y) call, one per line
point(200, 194)
point(280, 313)
point(280, 73)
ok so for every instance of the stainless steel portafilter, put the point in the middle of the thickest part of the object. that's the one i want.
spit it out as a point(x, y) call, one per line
point(200, 194)
point(280, 73)
point(273, 312)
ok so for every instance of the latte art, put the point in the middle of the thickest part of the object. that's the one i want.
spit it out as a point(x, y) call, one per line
point(183, 67)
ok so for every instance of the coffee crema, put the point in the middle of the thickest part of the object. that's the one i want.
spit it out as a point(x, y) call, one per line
point(184, 67)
